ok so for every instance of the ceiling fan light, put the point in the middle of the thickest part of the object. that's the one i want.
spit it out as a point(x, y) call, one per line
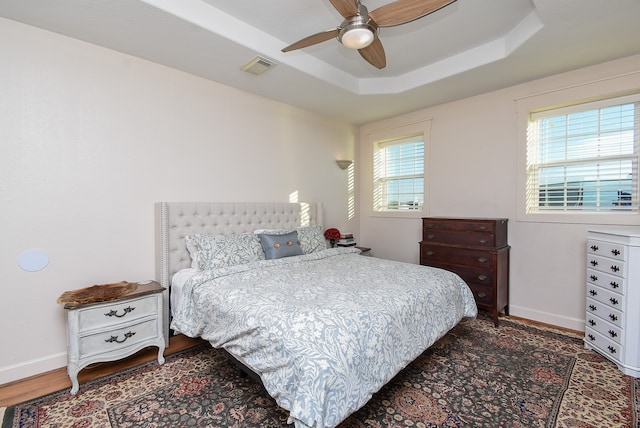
point(357, 38)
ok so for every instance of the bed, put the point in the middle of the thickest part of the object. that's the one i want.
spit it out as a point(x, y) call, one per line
point(323, 328)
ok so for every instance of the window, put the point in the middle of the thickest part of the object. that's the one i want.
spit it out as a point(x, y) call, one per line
point(584, 158)
point(398, 174)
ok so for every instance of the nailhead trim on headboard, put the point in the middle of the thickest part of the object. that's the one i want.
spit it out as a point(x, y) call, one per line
point(175, 220)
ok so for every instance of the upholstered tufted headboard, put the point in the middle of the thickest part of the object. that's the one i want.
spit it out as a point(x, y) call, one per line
point(175, 220)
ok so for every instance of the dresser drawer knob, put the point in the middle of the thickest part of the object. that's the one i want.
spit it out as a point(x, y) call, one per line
point(613, 333)
point(592, 323)
point(594, 248)
point(613, 301)
point(594, 262)
point(611, 349)
point(114, 313)
point(614, 284)
point(593, 307)
point(594, 278)
point(127, 335)
point(615, 268)
point(483, 277)
point(482, 259)
point(615, 252)
point(593, 292)
point(591, 337)
point(613, 317)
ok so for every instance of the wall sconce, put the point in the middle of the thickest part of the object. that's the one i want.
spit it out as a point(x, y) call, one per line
point(344, 164)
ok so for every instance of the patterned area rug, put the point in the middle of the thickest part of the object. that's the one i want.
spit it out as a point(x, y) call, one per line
point(475, 376)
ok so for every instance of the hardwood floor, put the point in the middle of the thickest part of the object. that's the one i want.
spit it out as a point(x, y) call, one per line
point(55, 380)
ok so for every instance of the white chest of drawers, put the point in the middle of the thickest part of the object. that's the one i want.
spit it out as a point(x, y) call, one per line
point(613, 297)
point(114, 329)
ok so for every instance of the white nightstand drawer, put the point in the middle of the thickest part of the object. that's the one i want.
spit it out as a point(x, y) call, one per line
point(109, 314)
point(115, 340)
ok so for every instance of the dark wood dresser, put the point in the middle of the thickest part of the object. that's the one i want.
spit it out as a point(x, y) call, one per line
point(477, 250)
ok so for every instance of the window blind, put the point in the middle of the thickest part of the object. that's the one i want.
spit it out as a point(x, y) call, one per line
point(584, 157)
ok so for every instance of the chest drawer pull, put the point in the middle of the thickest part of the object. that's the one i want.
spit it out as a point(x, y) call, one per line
point(591, 337)
point(429, 253)
point(593, 292)
point(611, 349)
point(614, 284)
point(613, 333)
point(594, 278)
point(593, 307)
point(593, 263)
point(592, 322)
point(127, 335)
point(615, 252)
point(615, 268)
point(482, 259)
point(594, 248)
point(613, 301)
point(431, 236)
point(483, 277)
point(114, 313)
point(613, 317)
point(483, 241)
point(482, 295)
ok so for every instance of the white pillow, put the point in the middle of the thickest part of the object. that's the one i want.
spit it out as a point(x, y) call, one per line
point(216, 251)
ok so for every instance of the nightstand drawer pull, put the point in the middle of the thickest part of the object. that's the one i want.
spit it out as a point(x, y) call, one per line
point(594, 248)
point(613, 301)
point(127, 335)
point(114, 313)
point(611, 349)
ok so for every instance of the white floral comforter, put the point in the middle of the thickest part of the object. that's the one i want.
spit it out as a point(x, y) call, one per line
point(324, 330)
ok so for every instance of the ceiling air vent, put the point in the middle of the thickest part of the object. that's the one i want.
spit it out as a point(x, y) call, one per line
point(258, 65)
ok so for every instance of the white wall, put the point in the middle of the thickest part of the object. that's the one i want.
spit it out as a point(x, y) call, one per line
point(473, 172)
point(91, 138)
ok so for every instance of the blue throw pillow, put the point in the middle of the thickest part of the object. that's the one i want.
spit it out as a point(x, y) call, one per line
point(278, 246)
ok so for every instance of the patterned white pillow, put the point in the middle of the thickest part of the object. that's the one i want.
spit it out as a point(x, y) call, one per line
point(216, 251)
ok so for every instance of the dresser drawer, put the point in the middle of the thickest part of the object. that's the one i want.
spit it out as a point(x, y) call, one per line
point(607, 249)
point(606, 312)
point(606, 281)
point(457, 256)
point(608, 347)
point(483, 294)
point(474, 239)
point(115, 340)
point(473, 232)
point(605, 264)
point(610, 331)
point(107, 314)
point(607, 297)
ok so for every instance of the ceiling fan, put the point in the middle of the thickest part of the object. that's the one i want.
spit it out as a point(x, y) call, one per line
point(360, 28)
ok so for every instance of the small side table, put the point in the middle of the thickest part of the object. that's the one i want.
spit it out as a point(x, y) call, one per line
point(366, 251)
point(114, 329)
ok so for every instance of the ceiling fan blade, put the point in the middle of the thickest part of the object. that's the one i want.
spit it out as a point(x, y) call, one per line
point(403, 11)
point(312, 40)
point(346, 8)
point(374, 54)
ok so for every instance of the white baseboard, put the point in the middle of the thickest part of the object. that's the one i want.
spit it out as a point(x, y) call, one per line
point(547, 318)
point(32, 368)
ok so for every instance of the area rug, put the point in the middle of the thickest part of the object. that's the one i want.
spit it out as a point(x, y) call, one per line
point(476, 376)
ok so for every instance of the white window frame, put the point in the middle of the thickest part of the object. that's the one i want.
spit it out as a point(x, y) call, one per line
point(419, 130)
point(595, 91)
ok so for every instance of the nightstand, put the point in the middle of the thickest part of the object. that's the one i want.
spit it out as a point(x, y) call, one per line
point(114, 329)
point(366, 251)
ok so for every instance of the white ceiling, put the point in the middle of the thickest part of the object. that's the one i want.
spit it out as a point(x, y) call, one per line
point(467, 48)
